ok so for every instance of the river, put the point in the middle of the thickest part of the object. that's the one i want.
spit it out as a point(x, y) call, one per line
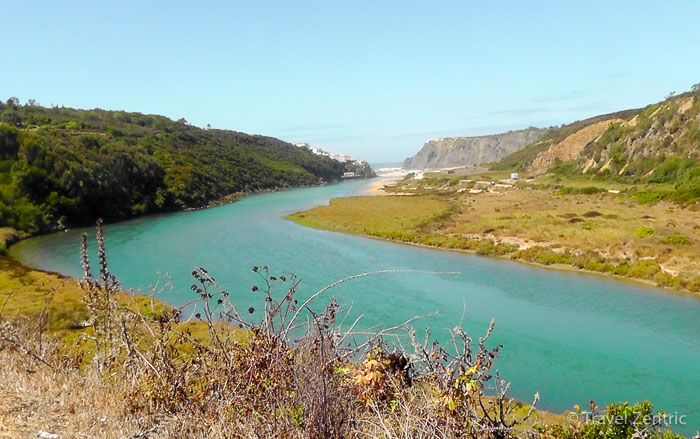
point(572, 337)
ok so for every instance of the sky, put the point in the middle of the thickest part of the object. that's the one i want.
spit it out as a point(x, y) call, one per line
point(373, 79)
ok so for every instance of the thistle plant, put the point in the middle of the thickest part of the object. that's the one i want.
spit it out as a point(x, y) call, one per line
point(106, 319)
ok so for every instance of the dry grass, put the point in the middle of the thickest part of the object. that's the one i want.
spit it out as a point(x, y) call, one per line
point(63, 402)
point(539, 217)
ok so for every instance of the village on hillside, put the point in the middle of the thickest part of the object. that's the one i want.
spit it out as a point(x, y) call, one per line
point(339, 156)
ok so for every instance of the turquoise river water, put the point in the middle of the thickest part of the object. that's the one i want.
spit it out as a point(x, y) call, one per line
point(572, 337)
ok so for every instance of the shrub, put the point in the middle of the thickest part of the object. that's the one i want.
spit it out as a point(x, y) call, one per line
point(544, 256)
point(485, 248)
point(643, 269)
point(504, 249)
point(644, 231)
point(72, 125)
point(565, 190)
point(588, 190)
point(621, 269)
point(618, 421)
point(677, 240)
point(650, 196)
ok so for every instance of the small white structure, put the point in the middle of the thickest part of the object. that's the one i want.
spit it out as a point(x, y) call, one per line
point(513, 175)
point(418, 176)
point(613, 191)
point(348, 174)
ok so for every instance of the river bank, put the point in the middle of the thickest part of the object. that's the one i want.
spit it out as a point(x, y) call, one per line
point(576, 233)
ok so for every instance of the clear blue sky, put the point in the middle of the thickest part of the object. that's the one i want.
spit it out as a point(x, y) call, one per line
point(372, 79)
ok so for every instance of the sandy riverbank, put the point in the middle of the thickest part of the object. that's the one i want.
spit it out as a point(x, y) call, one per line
point(389, 178)
point(377, 187)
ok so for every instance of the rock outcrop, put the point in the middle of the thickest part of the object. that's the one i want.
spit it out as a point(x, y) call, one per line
point(571, 147)
point(458, 151)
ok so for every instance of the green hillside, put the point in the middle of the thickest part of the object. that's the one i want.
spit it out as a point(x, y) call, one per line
point(657, 148)
point(62, 167)
point(519, 160)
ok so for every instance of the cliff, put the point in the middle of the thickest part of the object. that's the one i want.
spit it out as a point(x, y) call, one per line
point(456, 151)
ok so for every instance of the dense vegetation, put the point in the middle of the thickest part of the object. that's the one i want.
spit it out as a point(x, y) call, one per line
point(61, 166)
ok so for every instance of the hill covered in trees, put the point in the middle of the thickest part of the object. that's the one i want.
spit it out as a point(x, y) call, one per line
point(62, 167)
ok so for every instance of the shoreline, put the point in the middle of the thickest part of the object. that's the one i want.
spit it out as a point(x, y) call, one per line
point(13, 236)
point(377, 187)
point(557, 267)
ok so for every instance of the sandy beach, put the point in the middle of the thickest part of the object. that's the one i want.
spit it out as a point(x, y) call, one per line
point(385, 179)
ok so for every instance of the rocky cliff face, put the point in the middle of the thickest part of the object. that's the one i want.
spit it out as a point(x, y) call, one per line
point(457, 151)
point(570, 148)
point(646, 143)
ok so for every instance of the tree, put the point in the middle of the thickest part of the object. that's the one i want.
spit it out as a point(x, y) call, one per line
point(9, 145)
point(695, 87)
point(13, 102)
point(11, 116)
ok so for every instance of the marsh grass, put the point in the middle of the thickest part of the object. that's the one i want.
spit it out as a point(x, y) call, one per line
point(597, 232)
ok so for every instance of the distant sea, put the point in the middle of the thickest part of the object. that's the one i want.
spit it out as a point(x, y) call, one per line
point(386, 166)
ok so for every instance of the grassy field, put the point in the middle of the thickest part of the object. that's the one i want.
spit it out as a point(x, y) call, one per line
point(535, 222)
point(364, 215)
point(26, 294)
